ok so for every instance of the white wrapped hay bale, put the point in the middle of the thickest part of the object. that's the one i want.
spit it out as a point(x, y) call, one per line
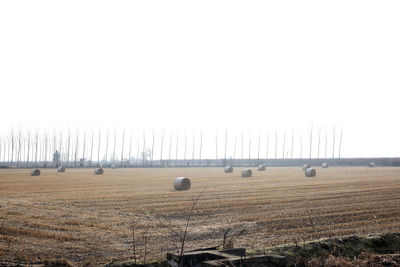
point(182, 183)
point(247, 173)
point(35, 172)
point(261, 168)
point(98, 171)
point(310, 172)
point(306, 166)
point(325, 165)
point(371, 164)
point(228, 169)
point(61, 169)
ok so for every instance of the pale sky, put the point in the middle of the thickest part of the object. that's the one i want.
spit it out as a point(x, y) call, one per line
point(211, 65)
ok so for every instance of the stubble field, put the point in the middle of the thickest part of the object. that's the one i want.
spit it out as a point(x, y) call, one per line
point(89, 218)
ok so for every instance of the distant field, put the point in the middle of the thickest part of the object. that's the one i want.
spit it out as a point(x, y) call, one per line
point(85, 217)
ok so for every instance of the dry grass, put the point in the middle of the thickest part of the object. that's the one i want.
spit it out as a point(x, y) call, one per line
point(85, 217)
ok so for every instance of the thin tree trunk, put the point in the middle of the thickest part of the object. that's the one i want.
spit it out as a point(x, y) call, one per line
point(98, 148)
point(319, 141)
point(122, 148)
point(152, 149)
point(91, 150)
point(284, 145)
point(115, 145)
point(177, 141)
point(108, 135)
point(201, 146)
point(291, 149)
point(226, 144)
point(162, 146)
point(170, 149)
point(130, 149)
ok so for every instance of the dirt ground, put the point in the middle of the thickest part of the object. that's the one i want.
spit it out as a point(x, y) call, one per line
point(89, 218)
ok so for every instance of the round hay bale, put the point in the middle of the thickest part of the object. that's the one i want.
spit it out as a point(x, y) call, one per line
point(98, 165)
point(310, 172)
point(261, 168)
point(306, 166)
point(98, 171)
point(35, 172)
point(325, 165)
point(247, 173)
point(228, 169)
point(61, 169)
point(182, 183)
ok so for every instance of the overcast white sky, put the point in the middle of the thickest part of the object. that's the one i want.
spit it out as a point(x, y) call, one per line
point(211, 65)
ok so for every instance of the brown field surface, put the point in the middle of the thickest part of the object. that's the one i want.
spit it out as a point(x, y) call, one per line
point(88, 218)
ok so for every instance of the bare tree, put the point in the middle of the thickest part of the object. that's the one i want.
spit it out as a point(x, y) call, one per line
point(144, 147)
point(162, 146)
point(152, 148)
point(84, 145)
point(170, 149)
point(334, 139)
point(319, 141)
point(36, 147)
point(226, 144)
point(91, 150)
point(76, 148)
point(98, 147)
point(130, 149)
point(340, 142)
point(46, 142)
point(284, 144)
point(291, 149)
point(301, 146)
point(19, 146)
point(326, 144)
point(115, 145)
point(68, 145)
point(28, 150)
point(201, 146)
point(60, 147)
point(122, 146)
point(107, 138)
point(12, 146)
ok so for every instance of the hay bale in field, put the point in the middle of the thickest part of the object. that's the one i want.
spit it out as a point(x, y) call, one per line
point(371, 164)
point(306, 166)
point(228, 169)
point(247, 173)
point(261, 168)
point(182, 183)
point(35, 172)
point(61, 169)
point(98, 171)
point(325, 165)
point(310, 172)
point(98, 165)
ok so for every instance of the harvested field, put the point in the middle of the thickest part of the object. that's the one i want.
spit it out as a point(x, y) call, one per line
point(88, 218)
